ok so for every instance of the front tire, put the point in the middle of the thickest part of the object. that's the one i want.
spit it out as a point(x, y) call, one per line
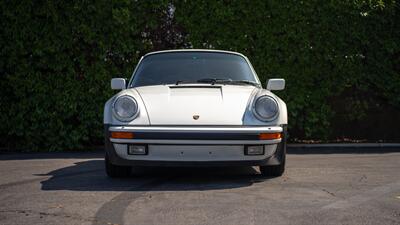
point(277, 170)
point(115, 171)
point(273, 171)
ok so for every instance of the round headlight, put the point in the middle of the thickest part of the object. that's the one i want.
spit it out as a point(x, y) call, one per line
point(266, 108)
point(125, 108)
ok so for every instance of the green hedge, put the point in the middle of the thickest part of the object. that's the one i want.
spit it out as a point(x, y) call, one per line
point(341, 60)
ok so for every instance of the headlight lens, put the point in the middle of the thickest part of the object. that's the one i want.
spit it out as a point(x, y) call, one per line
point(266, 108)
point(125, 108)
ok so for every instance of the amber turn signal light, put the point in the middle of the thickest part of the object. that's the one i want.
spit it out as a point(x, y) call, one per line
point(269, 136)
point(122, 135)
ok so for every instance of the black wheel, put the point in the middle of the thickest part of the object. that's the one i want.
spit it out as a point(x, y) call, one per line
point(116, 171)
point(273, 171)
point(277, 170)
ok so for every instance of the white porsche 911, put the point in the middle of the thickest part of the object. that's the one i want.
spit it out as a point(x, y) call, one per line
point(195, 108)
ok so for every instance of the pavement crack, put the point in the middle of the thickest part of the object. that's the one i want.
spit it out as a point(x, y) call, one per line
point(368, 195)
point(331, 193)
point(363, 177)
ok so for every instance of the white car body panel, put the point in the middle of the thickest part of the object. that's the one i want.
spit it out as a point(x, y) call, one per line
point(214, 104)
point(141, 119)
point(168, 105)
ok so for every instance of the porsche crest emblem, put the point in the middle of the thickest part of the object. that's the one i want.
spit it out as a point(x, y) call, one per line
point(196, 117)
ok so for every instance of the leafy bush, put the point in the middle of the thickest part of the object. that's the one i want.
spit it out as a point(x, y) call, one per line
point(57, 58)
point(321, 48)
point(57, 61)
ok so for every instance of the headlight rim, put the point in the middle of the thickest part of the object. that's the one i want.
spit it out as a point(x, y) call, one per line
point(259, 117)
point(125, 119)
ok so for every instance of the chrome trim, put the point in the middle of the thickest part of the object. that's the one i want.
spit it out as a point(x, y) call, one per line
point(245, 130)
point(197, 142)
point(195, 50)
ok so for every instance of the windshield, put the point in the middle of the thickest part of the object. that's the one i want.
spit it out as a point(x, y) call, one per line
point(186, 67)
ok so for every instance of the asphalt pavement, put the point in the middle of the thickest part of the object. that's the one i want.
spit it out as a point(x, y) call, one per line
point(71, 188)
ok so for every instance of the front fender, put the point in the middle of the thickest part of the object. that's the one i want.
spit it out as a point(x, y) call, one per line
point(249, 118)
point(141, 119)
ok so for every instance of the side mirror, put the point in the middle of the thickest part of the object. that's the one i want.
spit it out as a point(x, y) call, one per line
point(275, 84)
point(118, 83)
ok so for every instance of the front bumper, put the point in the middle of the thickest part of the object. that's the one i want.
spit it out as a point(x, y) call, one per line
point(193, 146)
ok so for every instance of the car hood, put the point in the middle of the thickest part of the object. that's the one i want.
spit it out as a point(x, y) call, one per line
point(196, 104)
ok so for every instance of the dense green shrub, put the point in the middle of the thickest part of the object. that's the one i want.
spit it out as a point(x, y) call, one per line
point(320, 47)
point(57, 61)
point(341, 60)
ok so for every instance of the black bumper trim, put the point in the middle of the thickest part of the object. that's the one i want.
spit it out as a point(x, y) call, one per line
point(195, 136)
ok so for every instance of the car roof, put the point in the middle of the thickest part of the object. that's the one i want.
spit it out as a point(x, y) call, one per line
point(195, 50)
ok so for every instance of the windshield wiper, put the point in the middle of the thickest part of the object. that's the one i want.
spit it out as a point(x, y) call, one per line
point(213, 80)
point(227, 81)
point(220, 81)
point(245, 82)
point(205, 80)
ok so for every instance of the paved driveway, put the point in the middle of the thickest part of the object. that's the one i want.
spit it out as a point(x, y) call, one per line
point(71, 188)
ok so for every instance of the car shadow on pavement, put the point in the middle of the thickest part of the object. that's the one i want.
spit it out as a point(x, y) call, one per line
point(90, 176)
point(51, 155)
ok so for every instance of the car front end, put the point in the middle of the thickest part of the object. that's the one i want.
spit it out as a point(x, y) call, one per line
point(194, 124)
